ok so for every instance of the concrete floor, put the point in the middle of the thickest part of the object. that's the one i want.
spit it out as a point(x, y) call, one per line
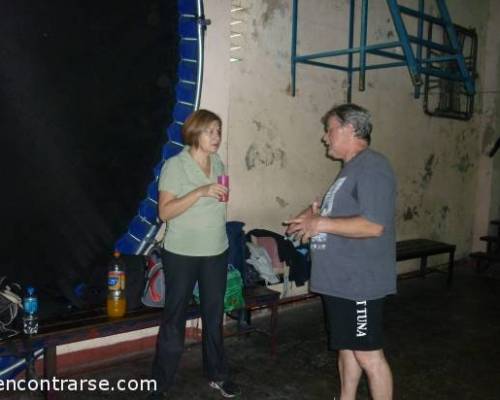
point(441, 344)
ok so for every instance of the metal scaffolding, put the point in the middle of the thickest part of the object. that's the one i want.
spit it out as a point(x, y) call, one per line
point(435, 63)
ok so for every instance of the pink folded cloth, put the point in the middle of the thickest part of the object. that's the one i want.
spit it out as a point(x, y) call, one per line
point(271, 247)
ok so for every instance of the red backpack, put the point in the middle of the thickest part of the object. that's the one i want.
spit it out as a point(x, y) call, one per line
point(154, 291)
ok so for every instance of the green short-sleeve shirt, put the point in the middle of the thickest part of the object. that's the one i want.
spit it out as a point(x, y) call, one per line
point(201, 229)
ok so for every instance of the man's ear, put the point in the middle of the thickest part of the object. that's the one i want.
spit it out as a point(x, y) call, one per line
point(350, 129)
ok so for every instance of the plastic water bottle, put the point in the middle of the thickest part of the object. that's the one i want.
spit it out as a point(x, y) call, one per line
point(30, 316)
point(116, 304)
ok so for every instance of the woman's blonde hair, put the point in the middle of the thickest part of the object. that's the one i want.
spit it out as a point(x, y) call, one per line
point(195, 124)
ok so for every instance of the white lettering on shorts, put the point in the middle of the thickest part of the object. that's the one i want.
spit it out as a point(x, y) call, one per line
point(361, 318)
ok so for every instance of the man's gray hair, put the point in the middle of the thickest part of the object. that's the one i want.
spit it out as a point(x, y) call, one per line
point(353, 114)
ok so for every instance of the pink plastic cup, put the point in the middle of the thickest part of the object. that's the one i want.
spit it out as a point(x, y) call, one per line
point(224, 181)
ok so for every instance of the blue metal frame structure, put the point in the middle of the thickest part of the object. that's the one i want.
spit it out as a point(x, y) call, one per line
point(144, 226)
point(414, 61)
point(446, 98)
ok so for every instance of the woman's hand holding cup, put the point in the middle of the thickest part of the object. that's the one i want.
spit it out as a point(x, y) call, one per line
point(214, 190)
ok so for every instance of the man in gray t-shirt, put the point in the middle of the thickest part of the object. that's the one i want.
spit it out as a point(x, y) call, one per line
point(352, 240)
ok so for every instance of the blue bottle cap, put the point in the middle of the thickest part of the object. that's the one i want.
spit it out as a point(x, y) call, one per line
point(30, 290)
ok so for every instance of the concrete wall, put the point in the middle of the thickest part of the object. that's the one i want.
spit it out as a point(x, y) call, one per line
point(215, 89)
point(488, 176)
point(493, 74)
point(275, 157)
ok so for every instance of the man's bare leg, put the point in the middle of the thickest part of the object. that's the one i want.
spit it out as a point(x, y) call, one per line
point(350, 373)
point(378, 373)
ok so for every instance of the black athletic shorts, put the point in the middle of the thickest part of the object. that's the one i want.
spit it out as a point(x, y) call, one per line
point(353, 325)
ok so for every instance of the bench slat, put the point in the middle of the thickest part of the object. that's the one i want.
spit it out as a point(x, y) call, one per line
point(416, 248)
point(91, 324)
point(481, 255)
point(493, 239)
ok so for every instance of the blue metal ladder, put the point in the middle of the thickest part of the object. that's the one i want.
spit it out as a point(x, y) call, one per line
point(411, 58)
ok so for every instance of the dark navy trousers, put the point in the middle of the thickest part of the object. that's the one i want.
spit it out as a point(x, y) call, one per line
point(181, 274)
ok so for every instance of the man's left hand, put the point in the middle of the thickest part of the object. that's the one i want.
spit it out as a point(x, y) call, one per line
point(303, 227)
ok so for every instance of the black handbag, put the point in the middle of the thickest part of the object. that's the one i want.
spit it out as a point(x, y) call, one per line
point(134, 266)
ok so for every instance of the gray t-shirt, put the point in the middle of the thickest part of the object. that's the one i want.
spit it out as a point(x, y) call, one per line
point(353, 268)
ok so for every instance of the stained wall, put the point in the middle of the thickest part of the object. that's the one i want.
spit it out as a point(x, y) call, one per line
point(272, 142)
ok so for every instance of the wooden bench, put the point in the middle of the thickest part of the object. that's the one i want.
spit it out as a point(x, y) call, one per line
point(480, 257)
point(95, 323)
point(423, 248)
point(492, 254)
point(73, 328)
point(257, 298)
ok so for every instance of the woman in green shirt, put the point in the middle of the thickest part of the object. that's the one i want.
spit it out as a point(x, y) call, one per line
point(195, 249)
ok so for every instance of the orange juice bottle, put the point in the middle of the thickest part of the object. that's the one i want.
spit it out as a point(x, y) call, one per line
point(116, 304)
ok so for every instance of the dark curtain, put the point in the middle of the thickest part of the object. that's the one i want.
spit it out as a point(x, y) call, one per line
point(86, 93)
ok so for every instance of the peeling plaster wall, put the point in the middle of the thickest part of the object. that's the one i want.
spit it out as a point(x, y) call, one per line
point(487, 204)
point(276, 160)
point(215, 89)
point(494, 133)
point(276, 156)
